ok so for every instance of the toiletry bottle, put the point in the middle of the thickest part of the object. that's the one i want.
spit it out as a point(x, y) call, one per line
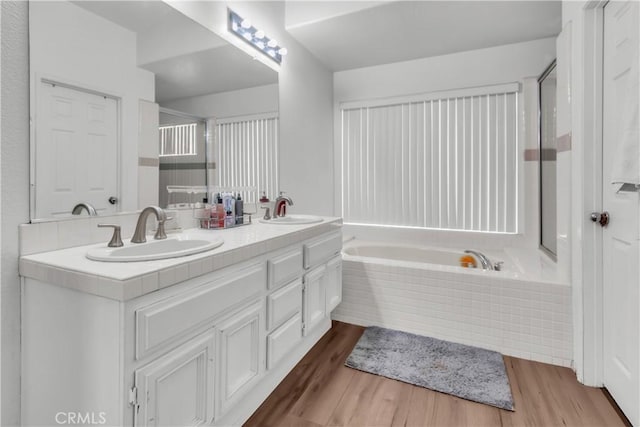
point(229, 203)
point(239, 210)
point(220, 211)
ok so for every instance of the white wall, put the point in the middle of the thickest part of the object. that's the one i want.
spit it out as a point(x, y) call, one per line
point(305, 102)
point(102, 59)
point(254, 100)
point(14, 193)
point(519, 62)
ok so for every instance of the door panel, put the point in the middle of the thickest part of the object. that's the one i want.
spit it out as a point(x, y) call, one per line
point(177, 388)
point(76, 147)
point(242, 354)
point(314, 304)
point(621, 275)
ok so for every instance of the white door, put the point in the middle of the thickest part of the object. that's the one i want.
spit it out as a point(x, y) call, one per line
point(76, 148)
point(177, 389)
point(621, 278)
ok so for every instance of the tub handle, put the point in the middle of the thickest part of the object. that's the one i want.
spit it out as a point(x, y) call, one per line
point(498, 266)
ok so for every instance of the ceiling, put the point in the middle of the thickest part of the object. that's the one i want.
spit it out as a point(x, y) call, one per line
point(346, 35)
point(186, 58)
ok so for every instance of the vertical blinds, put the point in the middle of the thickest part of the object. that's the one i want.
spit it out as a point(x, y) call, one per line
point(447, 161)
point(248, 153)
point(178, 140)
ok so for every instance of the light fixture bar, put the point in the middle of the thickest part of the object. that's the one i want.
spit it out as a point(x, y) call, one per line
point(244, 29)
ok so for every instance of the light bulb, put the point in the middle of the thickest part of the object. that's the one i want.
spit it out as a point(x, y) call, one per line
point(283, 51)
point(234, 26)
point(246, 23)
point(272, 43)
point(259, 34)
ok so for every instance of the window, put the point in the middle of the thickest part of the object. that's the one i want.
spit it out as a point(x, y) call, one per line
point(446, 160)
point(247, 151)
point(178, 140)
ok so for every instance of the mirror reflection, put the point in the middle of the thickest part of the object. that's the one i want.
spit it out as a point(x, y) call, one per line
point(135, 104)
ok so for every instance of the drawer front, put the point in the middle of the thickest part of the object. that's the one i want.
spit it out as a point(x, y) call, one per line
point(320, 250)
point(283, 339)
point(284, 303)
point(159, 323)
point(284, 268)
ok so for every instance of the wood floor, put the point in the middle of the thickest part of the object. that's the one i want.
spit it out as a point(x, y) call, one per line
point(321, 391)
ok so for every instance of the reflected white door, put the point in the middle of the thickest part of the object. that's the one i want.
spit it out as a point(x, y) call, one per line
point(620, 237)
point(76, 148)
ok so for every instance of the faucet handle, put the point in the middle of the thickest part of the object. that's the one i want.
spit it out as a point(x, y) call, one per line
point(160, 233)
point(116, 239)
point(267, 213)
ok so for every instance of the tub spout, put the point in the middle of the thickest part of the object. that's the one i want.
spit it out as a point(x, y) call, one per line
point(484, 260)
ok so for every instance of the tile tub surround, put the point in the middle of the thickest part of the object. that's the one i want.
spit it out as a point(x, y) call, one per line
point(530, 319)
point(123, 281)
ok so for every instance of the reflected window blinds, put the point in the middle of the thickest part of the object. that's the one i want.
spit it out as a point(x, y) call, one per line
point(446, 161)
point(178, 140)
point(247, 152)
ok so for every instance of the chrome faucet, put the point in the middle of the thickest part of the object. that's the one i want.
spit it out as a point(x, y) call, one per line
point(279, 206)
point(77, 209)
point(139, 236)
point(484, 261)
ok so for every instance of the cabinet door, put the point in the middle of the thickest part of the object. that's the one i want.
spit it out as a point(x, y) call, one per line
point(333, 283)
point(177, 388)
point(242, 355)
point(314, 304)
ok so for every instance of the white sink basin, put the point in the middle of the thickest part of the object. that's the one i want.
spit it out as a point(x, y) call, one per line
point(154, 249)
point(293, 220)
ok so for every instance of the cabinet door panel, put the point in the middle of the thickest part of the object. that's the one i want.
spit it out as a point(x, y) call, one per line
point(283, 339)
point(177, 388)
point(333, 283)
point(242, 356)
point(284, 303)
point(314, 304)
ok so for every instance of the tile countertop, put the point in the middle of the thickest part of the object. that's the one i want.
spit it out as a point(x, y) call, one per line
point(123, 281)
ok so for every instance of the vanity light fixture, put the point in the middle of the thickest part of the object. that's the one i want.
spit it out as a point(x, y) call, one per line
point(244, 29)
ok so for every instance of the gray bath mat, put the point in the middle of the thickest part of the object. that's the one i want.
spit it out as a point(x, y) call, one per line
point(468, 372)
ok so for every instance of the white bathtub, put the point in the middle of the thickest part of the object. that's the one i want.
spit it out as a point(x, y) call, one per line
point(521, 311)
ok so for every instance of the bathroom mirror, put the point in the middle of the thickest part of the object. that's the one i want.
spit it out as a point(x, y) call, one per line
point(105, 78)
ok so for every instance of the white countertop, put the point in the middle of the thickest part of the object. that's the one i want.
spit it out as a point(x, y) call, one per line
point(126, 280)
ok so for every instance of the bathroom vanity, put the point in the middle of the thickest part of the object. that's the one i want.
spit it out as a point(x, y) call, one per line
point(195, 340)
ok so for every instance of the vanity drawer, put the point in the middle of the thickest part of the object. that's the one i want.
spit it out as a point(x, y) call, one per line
point(320, 250)
point(159, 323)
point(284, 303)
point(284, 268)
point(283, 339)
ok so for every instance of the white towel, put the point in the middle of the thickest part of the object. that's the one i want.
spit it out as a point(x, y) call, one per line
point(626, 162)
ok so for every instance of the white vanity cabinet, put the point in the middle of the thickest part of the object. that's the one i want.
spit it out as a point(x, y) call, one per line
point(206, 351)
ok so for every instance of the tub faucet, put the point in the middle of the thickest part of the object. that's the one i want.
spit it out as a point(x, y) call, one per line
point(279, 207)
point(77, 209)
point(484, 261)
point(139, 236)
